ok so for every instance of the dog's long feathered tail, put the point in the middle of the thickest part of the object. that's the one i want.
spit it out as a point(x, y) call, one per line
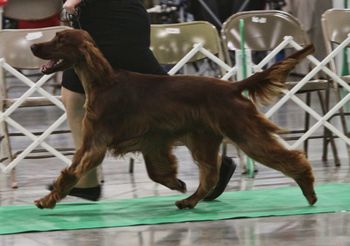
point(268, 84)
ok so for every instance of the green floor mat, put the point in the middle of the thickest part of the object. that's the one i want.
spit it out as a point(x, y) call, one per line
point(158, 210)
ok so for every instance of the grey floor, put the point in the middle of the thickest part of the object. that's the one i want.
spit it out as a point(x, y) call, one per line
point(319, 229)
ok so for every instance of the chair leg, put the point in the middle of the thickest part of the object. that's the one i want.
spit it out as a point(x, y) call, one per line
point(342, 118)
point(242, 160)
point(14, 184)
point(327, 134)
point(307, 123)
point(131, 165)
point(335, 152)
point(329, 138)
point(6, 152)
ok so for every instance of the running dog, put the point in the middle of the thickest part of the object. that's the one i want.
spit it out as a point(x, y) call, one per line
point(129, 112)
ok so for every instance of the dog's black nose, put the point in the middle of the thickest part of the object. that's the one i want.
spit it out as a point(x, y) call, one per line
point(34, 48)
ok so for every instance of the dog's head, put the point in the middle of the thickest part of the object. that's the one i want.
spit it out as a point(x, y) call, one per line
point(65, 50)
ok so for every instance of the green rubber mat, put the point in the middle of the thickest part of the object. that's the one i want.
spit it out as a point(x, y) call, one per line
point(158, 210)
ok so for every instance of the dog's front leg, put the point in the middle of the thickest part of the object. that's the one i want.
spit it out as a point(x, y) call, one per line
point(84, 160)
point(64, 183)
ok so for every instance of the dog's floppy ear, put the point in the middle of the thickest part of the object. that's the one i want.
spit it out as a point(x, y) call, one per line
point(95, 59)
point(90, 53)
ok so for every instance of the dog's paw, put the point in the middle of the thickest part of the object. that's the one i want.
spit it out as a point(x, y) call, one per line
point(45, 202)
point(311, 198)
point(38, 204)
point(185, 204)
point(181, 186)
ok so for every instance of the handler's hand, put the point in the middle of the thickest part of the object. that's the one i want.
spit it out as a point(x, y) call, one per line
point(70, 5)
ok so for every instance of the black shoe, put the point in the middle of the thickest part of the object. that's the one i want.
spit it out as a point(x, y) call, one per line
point(227, 169)
point(91, 194)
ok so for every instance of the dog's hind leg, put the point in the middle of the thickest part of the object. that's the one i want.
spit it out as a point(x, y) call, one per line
point(259, 142)
point(204, 147)
point(86, 158)
point(161, 165)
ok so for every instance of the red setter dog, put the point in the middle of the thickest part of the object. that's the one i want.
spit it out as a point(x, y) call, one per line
point(128, 112)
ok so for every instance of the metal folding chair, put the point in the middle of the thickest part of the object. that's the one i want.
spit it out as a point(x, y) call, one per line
point(32, 9)
point(15, 54)
point(182, 43)
point(179, 44)
point(336, 28)
point(271, 31)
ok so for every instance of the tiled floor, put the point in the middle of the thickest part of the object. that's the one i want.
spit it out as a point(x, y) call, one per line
point(321, 229)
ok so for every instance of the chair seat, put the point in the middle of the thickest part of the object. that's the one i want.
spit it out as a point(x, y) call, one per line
point(346, 78)
point(312, 85)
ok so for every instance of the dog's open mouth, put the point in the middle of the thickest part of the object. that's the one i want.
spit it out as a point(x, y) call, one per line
point(52, 66)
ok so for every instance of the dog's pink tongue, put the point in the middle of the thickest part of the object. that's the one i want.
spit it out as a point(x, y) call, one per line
point(47, 65)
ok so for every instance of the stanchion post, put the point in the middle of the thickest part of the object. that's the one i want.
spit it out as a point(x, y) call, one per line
point(250, 164)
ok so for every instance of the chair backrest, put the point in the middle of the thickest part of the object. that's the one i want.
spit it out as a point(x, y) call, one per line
point(32, 9)
point(335, 27)
point(264, 30)
point(171, 42)
point(15, 45)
